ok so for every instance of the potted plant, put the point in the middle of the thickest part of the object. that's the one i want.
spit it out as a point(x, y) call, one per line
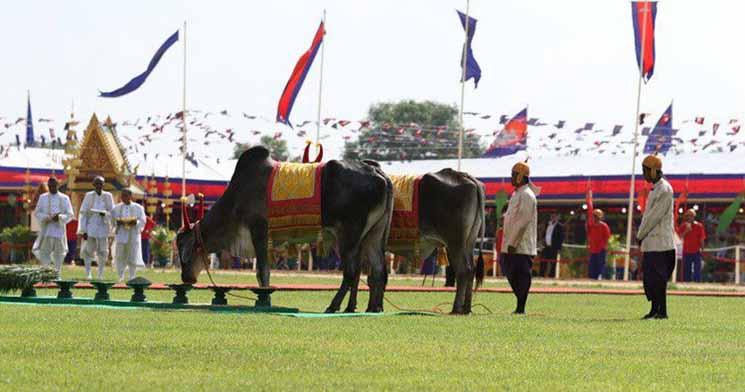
point(162, 240)
point(18, 240)
point(614, 258)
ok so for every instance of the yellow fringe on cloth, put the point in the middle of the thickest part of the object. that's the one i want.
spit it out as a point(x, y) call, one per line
point(294, 202)
point(403, 192)
point(404, 233)
point(294, 181)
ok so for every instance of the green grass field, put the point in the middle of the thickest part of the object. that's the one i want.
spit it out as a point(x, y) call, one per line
point(566, 342)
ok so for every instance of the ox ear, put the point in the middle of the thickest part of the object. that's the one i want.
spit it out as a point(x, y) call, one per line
point(320, 153)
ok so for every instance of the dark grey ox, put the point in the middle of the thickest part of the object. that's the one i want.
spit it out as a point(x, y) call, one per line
point(451, 214)
point(356, 208)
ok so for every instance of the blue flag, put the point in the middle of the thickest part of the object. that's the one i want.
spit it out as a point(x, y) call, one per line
point(472, 67)
point(661, 138)
point(138, 80)
point(29, 124)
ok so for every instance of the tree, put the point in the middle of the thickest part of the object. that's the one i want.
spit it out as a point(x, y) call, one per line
point(411, 130)
point(277, 148)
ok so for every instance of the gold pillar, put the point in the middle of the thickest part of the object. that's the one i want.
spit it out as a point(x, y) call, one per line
point(167, 201)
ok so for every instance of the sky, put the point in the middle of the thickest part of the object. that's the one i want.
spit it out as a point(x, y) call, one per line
point(571, 60)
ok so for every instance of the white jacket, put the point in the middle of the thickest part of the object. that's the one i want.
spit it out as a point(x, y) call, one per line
point(92, 223)
point(520, 222)
point(657, 228)
point(49, 205)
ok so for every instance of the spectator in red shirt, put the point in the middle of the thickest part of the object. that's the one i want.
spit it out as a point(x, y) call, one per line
point(693, 234)
point(72, 241)
point(145, 239)
point(598, 234)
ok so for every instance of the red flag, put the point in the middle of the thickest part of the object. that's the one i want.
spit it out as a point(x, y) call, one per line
point(643, 15)
point(298, 77)
point(642, 198)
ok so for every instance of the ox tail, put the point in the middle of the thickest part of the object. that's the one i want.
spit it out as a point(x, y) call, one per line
point(481, 219)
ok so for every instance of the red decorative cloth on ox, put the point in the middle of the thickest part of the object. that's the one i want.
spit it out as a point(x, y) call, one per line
point(294, 201)
point(405, 222)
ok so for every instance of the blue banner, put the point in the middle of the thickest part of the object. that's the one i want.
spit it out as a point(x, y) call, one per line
point(661, 138)
point(472, 67)
point(138, 80)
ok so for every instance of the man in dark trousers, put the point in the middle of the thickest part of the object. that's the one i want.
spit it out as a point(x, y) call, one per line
point(554, 239)
point(519, 243)
point(656, 238)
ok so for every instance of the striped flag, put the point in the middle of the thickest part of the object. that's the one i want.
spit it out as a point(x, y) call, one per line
point(643, 15)
point(512, 138)
point(292, 88)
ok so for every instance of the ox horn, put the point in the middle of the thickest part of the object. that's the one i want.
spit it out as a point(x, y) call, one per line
point(185, 221)
point(320, 153)
point(306, 152)
point(200, 208)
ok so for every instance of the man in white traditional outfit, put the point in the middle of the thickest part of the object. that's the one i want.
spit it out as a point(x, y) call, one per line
point(129, 220)
point(94, 226)
point(53, 211)
point(520, 234)
point(656, 237)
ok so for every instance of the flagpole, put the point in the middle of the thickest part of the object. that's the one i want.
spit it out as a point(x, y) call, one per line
point(183, 125)
point(630, 217)
point(464, 64)
point(320, 83)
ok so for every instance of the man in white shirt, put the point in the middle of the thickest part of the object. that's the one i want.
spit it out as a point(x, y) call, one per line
point(656, 237)
point(53, 211)
point(94, 226)
point(520, 232)
point(129, 220)
point(554, 240)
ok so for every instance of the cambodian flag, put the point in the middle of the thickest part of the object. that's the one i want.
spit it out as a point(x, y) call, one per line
point(643, 14)
point(513, 138)
point(292, 88)
point(661, 137)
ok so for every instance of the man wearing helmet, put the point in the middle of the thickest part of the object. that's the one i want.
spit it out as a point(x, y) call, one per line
point(520, 232)
point(655, 237)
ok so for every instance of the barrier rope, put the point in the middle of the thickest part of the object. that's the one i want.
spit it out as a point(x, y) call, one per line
point(214, 285)
point(434, 309)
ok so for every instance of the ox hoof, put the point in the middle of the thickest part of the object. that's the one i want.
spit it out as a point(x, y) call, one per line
point(349, 310)
point(329, 310)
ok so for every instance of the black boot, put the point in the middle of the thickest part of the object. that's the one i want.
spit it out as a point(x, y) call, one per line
point(652, 312)
point(520, 309)
point(662, 309)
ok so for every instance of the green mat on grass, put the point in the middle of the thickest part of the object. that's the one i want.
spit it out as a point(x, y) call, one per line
point(339, 315)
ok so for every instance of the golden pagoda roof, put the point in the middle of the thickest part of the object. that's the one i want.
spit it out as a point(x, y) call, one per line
point(102, 153)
